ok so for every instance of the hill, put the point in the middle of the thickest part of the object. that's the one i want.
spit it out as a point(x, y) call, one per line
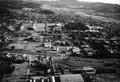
point(97, 9)
point(8, 7)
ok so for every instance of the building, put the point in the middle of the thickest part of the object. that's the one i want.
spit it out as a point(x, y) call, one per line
point(68, 78)
point(39, 27)
point(59, 27)
point(46, 38)
point(63, 56)
point(26, 27)
point(76, 50)
point(62, 48)
point(59, 78)
point(50, 27)
point(37, 79)
point(54, 27)
point(48, 44)
point(89, 70)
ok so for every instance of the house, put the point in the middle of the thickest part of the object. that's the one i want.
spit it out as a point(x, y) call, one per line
point(46, 38)
point(37, 79)
point(69, 52)
point(48, 44)
point(89, 70)
point(99, 28)
point(76, 50)
point(62, 48)
point(90, 27)
point(26, 27)
point(50, 26)
point(36, 36)
point(94, 27)
point(54, 27)
point(115, 39)
point(59, 27)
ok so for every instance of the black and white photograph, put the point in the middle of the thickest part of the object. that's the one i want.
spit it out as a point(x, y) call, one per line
point(59, 40)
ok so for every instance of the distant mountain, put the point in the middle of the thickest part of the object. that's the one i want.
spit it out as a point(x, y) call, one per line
point(17, 4)
point(99, 9)
point(7, 7)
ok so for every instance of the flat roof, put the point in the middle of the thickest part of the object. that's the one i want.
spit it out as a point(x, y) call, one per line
point(88, 68)
point(39, 26)
point(71, 78)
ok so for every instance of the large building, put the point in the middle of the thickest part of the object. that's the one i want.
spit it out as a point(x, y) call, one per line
point(33, 27)
point(62, 48)
point(68, 78)
point(26, 26)
point(59, 78)
point(48, 44)
point(39, 27)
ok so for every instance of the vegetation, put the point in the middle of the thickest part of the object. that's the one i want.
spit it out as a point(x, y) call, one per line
point(76, 26)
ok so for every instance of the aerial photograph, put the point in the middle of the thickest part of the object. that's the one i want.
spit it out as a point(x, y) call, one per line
point(59, 40)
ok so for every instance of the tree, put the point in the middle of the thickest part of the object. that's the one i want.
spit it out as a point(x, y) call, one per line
point(76, 25)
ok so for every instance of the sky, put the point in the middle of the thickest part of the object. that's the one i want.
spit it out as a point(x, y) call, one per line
point(104, 1)
point(41, 0)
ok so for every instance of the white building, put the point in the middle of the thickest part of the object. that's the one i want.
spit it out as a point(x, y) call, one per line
point(39, 27)
point(68, 78)
point(33, 26)
point(76, 49)
point(89, 70)
point(62, 48)
point(26, 26)
point(48, 44)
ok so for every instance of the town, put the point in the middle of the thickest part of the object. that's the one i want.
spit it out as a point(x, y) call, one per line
point(58, 48)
